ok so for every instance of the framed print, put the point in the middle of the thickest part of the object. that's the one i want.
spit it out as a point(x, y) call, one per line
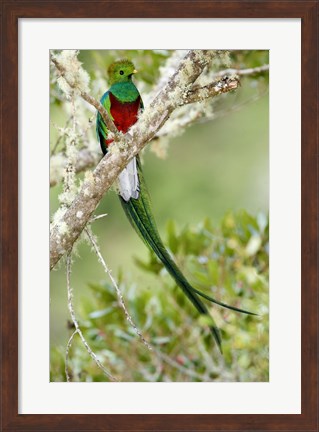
point(183, 364)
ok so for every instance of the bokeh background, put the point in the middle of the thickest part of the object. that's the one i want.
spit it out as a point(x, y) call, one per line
point(210, 201)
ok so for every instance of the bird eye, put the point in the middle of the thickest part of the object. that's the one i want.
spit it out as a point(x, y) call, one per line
point(121, 72)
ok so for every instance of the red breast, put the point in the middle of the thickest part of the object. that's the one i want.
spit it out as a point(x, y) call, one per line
point(124, 113)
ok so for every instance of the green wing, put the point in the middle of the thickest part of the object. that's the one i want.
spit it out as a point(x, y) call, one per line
point(101, 129)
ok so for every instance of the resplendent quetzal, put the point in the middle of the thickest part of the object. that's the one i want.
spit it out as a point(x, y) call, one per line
point(123, 103)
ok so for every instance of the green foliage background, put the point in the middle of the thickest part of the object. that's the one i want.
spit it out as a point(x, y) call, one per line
point(210, 199)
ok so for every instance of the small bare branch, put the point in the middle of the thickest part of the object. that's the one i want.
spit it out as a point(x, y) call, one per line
point(243, 72)
point(100, 216)
point(76, 324)
point(184, 370)
point(117, 289)
point(198, 94)
point(66, 367)
point(60, 137)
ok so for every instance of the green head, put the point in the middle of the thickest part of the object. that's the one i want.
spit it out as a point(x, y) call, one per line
point(121, 71)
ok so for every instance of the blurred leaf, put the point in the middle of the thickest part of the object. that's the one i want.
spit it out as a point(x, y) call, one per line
point(100, 313)
point(253, 245)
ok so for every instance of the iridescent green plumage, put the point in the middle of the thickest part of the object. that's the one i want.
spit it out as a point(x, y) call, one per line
point(122, 102)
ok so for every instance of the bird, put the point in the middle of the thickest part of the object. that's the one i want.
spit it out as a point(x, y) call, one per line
point(124, 104)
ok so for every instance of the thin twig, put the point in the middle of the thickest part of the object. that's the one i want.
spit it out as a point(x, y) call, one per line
point(243, 72)
point(76, 324)
point(237, 107)
point(66, 367)
point(60, 137)
point(117, 289)
point(93, 219)
point(180, 367)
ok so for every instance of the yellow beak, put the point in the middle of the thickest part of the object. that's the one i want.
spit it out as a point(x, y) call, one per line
point(134, 71)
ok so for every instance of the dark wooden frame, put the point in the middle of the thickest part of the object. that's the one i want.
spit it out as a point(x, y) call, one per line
point(11, 12)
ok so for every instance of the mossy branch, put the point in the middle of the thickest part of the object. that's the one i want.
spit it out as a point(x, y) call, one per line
point(199, 94)
point(129, 145)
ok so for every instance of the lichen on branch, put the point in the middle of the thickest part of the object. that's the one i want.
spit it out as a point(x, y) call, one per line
point(75, 81)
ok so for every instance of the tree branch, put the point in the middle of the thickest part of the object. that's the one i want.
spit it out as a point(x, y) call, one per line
point(198, 94)
point(65, 232)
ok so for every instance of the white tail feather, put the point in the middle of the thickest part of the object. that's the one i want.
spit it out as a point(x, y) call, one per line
point(128, 181)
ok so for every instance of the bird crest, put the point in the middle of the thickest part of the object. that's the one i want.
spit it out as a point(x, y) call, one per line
point(121, 71)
